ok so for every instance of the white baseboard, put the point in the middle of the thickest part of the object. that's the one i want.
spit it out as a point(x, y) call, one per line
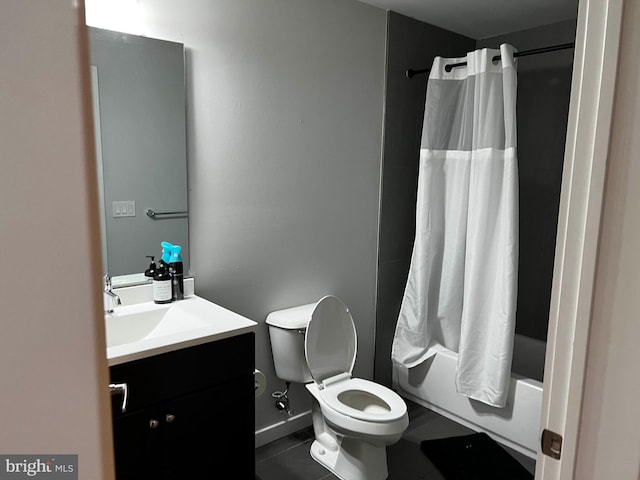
point(281, 429)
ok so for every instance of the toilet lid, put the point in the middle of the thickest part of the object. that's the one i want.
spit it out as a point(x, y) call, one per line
point(330, 343)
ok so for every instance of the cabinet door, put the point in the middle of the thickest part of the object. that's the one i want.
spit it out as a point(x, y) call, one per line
point(134, 446)
point(186, 419)
point(209, 431)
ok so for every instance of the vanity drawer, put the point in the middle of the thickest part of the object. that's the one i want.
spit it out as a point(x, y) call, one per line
point(173, 374)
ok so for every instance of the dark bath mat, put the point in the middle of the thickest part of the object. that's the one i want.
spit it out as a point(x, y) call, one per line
point(473, 457)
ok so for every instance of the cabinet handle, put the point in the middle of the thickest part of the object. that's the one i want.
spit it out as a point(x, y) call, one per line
point(120, 388)
point(170, 418)
point(154, 423)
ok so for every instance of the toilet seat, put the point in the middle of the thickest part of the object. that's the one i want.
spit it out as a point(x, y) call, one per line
point(364, 400)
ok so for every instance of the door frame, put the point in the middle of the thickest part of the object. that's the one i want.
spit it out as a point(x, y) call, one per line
point(587, 145)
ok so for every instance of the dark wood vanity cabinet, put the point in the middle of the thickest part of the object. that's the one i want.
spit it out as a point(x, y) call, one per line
point(189, 415)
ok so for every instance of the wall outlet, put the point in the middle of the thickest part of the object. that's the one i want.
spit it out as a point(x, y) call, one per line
point(124, 208)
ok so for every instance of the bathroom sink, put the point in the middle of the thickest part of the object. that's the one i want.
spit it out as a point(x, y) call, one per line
point(149, 321)
point(145, 329)
point(127, 328)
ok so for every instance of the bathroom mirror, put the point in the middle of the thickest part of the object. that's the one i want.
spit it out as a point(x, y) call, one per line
point(139, 109)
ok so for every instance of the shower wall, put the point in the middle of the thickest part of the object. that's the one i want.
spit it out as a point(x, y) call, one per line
point(544, 83)
point(410, 44)
point(544, 87)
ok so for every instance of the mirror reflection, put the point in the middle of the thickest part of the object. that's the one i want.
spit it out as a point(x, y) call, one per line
point(139, 109)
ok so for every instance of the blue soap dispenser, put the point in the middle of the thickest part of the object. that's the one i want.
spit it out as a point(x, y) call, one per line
point(177, 273)
point(166, 254)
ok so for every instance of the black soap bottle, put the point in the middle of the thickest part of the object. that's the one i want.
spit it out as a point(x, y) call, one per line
point(162, 285)
point(177, 273)
point(149, 272)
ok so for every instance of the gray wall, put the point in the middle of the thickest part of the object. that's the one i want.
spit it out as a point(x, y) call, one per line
point(544, 87)
point(143, 139)
point(286, 101)
point(411, 44)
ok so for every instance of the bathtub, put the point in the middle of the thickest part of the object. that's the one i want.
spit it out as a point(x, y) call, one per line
point(517, 425)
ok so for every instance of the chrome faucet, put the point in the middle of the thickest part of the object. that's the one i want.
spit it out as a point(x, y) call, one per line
point(111, 299)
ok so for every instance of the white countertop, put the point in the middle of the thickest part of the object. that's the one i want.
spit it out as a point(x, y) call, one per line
point(184, 323)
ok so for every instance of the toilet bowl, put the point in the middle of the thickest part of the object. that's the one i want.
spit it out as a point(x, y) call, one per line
point(353, 419)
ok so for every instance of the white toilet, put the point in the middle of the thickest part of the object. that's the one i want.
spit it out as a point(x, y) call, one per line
point(353, 419)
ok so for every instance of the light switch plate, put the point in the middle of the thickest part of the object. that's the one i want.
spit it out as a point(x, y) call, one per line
point(124, 208)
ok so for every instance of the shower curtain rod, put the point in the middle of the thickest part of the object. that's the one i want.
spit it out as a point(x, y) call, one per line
point(553, 48)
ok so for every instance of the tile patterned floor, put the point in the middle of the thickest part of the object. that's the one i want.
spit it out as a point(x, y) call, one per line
point(289, 459)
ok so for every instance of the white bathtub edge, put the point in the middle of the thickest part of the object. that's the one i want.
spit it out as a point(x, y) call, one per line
point(516, 427)
point(473, 426)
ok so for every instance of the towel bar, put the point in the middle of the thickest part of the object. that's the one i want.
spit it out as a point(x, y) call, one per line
point(156, 215)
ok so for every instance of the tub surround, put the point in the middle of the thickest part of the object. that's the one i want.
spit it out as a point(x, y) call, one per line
point(409, 43)
point(544, 83)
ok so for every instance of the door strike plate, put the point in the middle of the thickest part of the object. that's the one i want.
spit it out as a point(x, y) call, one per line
point(551, 444)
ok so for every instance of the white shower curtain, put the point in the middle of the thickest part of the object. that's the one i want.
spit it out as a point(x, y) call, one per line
point(462, 284)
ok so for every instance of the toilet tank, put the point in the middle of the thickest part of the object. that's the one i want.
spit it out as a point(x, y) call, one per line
point(286, 332)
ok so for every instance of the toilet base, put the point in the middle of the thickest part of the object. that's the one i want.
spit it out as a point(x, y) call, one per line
point(353, 459)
